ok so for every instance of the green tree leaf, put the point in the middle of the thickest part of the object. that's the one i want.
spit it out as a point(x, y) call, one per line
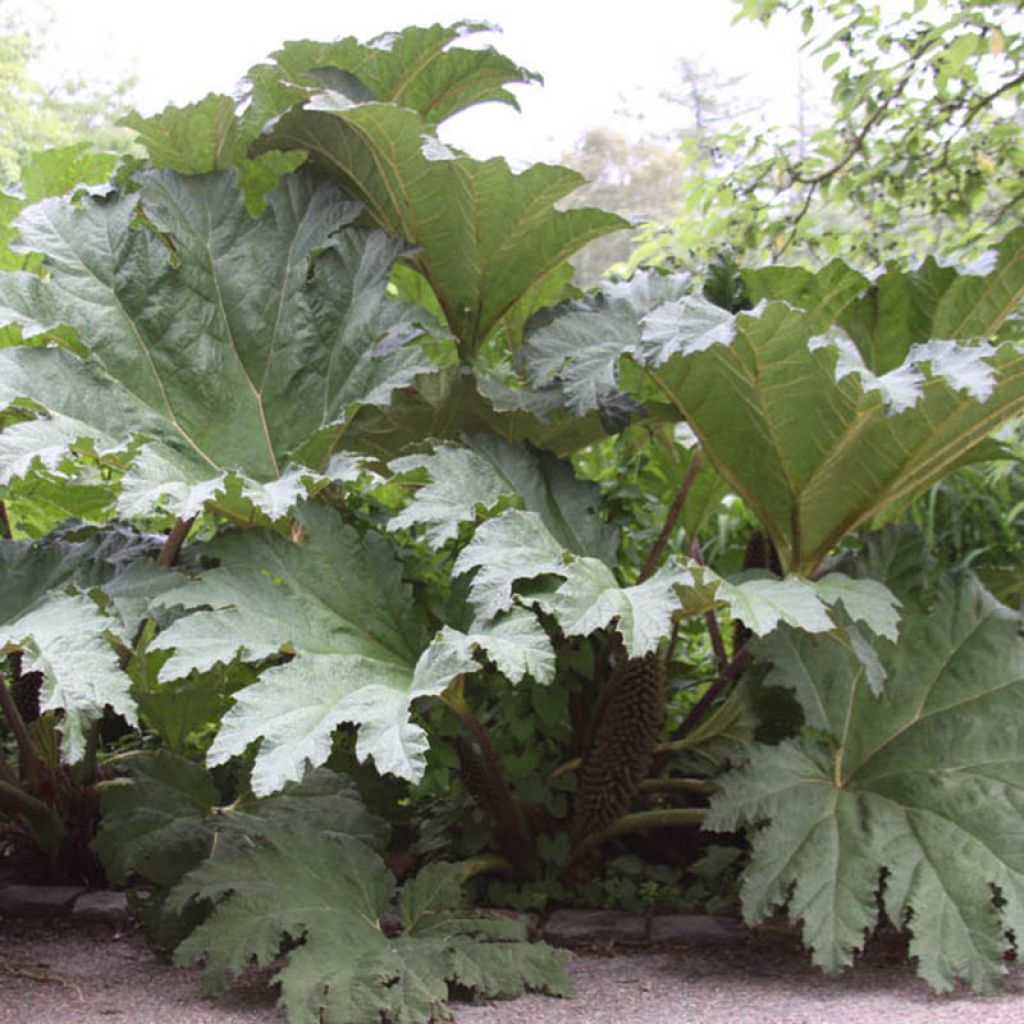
point(924, 782)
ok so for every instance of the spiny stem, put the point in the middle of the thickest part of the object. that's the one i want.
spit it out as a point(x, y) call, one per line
point(29, 761)
point(671, 517)
point(172, 545)
point(47, 828)
point(714, 633)
point(453, 699)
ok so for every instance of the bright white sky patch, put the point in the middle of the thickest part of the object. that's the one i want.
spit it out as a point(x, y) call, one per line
point(596, 59)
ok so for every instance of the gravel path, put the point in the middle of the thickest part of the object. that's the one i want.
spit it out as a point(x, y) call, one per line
point(69, 973)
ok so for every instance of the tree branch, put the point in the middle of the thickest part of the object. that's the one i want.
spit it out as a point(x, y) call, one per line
point(5, 523)
point(857, 142)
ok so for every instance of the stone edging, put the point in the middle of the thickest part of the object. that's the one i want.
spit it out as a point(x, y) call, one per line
point(587, 928)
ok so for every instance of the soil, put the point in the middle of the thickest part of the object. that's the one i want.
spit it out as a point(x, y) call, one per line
point(66, 972)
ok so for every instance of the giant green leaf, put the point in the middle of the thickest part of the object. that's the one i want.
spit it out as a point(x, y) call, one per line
point(334, 614)
point(322, 899)
point(924, 783)
point(338, 602)
point(164, 816)
point(224, 342)
point(813, 427)
point(484, 235)
point(902, 308)
point(813, 441)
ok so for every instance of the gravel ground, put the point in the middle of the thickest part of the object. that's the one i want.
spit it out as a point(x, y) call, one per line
point(69, 973)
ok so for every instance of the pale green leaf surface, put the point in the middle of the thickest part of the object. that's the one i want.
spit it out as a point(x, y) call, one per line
point(580, 344)
point(762, 604)
point(925, 781)
point(338, 602)
point(514, 546)
point(46, 440)
point(63, 638)
point(690, 324)
point(64, 635)
point(516, 642)
point(864, 600)
point(489, 468)
point(460, 481)
point(591, 598)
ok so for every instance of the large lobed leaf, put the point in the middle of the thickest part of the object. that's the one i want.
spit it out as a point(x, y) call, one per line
point(514, 558)
point(919, 793)
point(336, 617)
point(485, 236)
point(225, 342)
point(817, 428)
point(329, 894)
point(164, 817)
point(417, 68)
point(487, 469)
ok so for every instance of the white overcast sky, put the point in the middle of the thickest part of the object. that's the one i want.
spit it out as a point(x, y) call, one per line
point(595, 57)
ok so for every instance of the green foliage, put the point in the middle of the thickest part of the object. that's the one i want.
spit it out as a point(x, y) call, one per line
point(35, 114)
point(347, 362)
point(329, 893)
point(923, 782)
point(751, 386)
point(269, 328)
point(919, 153)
